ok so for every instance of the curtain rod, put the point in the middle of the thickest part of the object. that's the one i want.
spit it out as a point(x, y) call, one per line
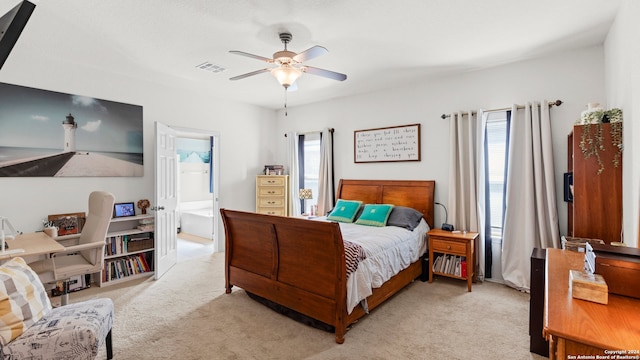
point(551, 103)
point(311, 132)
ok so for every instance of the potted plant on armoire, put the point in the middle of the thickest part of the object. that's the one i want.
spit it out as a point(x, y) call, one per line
point(595, 161)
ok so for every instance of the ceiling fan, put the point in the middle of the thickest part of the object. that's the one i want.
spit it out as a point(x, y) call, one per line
point(290, 64)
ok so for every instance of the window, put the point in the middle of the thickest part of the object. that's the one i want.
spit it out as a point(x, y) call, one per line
point(496, 160)
point(310, 168)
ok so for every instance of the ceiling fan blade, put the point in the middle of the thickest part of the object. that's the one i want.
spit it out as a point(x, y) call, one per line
point(325, 73)
point(310, 53)
point(258, 57)
point(249, 74)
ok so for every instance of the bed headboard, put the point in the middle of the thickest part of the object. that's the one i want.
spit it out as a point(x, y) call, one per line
point(417, 194)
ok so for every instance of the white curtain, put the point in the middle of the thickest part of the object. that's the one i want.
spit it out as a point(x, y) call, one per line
point(466, 187)
point(325, 179)
point(531, 216)
point(294, 172)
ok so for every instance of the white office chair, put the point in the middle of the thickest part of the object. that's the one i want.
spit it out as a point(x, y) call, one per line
point(86, 255)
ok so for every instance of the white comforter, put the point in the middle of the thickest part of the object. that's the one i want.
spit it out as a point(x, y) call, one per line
point(389, 250)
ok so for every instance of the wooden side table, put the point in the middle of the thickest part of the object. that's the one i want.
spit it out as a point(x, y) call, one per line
point(454, 244)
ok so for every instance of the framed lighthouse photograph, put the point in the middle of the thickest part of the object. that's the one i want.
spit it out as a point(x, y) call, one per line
point(48, 133)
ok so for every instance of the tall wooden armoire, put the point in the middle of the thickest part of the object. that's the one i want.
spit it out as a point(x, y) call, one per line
point(596, 210)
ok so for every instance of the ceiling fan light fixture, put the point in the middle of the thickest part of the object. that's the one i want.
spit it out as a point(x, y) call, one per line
point(286, 75)
point(284, 57)
point(290, 64)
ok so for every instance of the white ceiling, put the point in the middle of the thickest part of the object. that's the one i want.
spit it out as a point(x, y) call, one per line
point(378, 44)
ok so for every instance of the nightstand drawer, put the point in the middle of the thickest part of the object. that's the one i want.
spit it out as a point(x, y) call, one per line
point(449, 246)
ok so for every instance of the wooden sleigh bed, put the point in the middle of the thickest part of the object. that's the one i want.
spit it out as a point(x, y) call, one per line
point(300, 264)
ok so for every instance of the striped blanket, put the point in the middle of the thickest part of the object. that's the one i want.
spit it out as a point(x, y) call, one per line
point(353, 254)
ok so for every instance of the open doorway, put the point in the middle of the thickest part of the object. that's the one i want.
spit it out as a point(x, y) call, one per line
point(197, 174)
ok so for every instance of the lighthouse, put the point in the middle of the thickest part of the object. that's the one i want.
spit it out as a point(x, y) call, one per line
point(70, 127)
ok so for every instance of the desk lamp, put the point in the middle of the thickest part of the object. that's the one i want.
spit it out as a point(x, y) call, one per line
point(4, 222)
point(445, 225)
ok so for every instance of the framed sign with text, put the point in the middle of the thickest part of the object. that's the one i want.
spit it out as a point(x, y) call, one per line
point(396, 143)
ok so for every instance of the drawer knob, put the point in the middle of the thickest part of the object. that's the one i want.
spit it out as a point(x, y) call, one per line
point(448, 247)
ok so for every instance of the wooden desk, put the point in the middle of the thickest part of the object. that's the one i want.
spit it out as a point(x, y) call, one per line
point(37, 243)
point(579, 327)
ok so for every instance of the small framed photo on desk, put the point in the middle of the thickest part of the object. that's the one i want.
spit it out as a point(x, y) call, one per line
point(68, 224)
point(123, 210)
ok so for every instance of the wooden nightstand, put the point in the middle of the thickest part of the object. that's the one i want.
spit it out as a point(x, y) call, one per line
point(453, 246)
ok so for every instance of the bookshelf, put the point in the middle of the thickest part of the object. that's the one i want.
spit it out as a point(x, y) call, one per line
point(452, 254)
point(129, 250)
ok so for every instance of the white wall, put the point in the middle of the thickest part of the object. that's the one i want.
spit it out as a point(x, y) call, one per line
point(622, 56)
point(575, 77)
point(194, 182)
point(244, 134)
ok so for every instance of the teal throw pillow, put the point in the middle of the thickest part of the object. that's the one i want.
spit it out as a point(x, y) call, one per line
point(375, 215)
point(345, 210)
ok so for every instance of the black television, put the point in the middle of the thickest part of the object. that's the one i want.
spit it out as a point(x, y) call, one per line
point(11, 26)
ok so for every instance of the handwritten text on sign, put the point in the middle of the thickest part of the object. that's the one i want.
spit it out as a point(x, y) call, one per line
point(398, 143)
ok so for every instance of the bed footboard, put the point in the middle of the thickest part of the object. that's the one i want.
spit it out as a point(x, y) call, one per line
point(294, 262)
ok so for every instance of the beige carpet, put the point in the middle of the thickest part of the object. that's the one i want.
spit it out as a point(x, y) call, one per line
point(186, 315)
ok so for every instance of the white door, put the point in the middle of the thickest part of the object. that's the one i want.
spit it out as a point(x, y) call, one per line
point(166, 199)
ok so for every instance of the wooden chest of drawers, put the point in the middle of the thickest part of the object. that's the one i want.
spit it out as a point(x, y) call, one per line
point(272, 194)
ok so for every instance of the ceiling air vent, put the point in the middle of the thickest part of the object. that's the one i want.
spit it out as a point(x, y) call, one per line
point(211, 67)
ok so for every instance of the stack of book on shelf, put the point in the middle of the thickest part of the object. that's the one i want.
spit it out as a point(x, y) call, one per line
point(122, 244)
point(146, 224)
point(450, 265)
point(125, 266)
